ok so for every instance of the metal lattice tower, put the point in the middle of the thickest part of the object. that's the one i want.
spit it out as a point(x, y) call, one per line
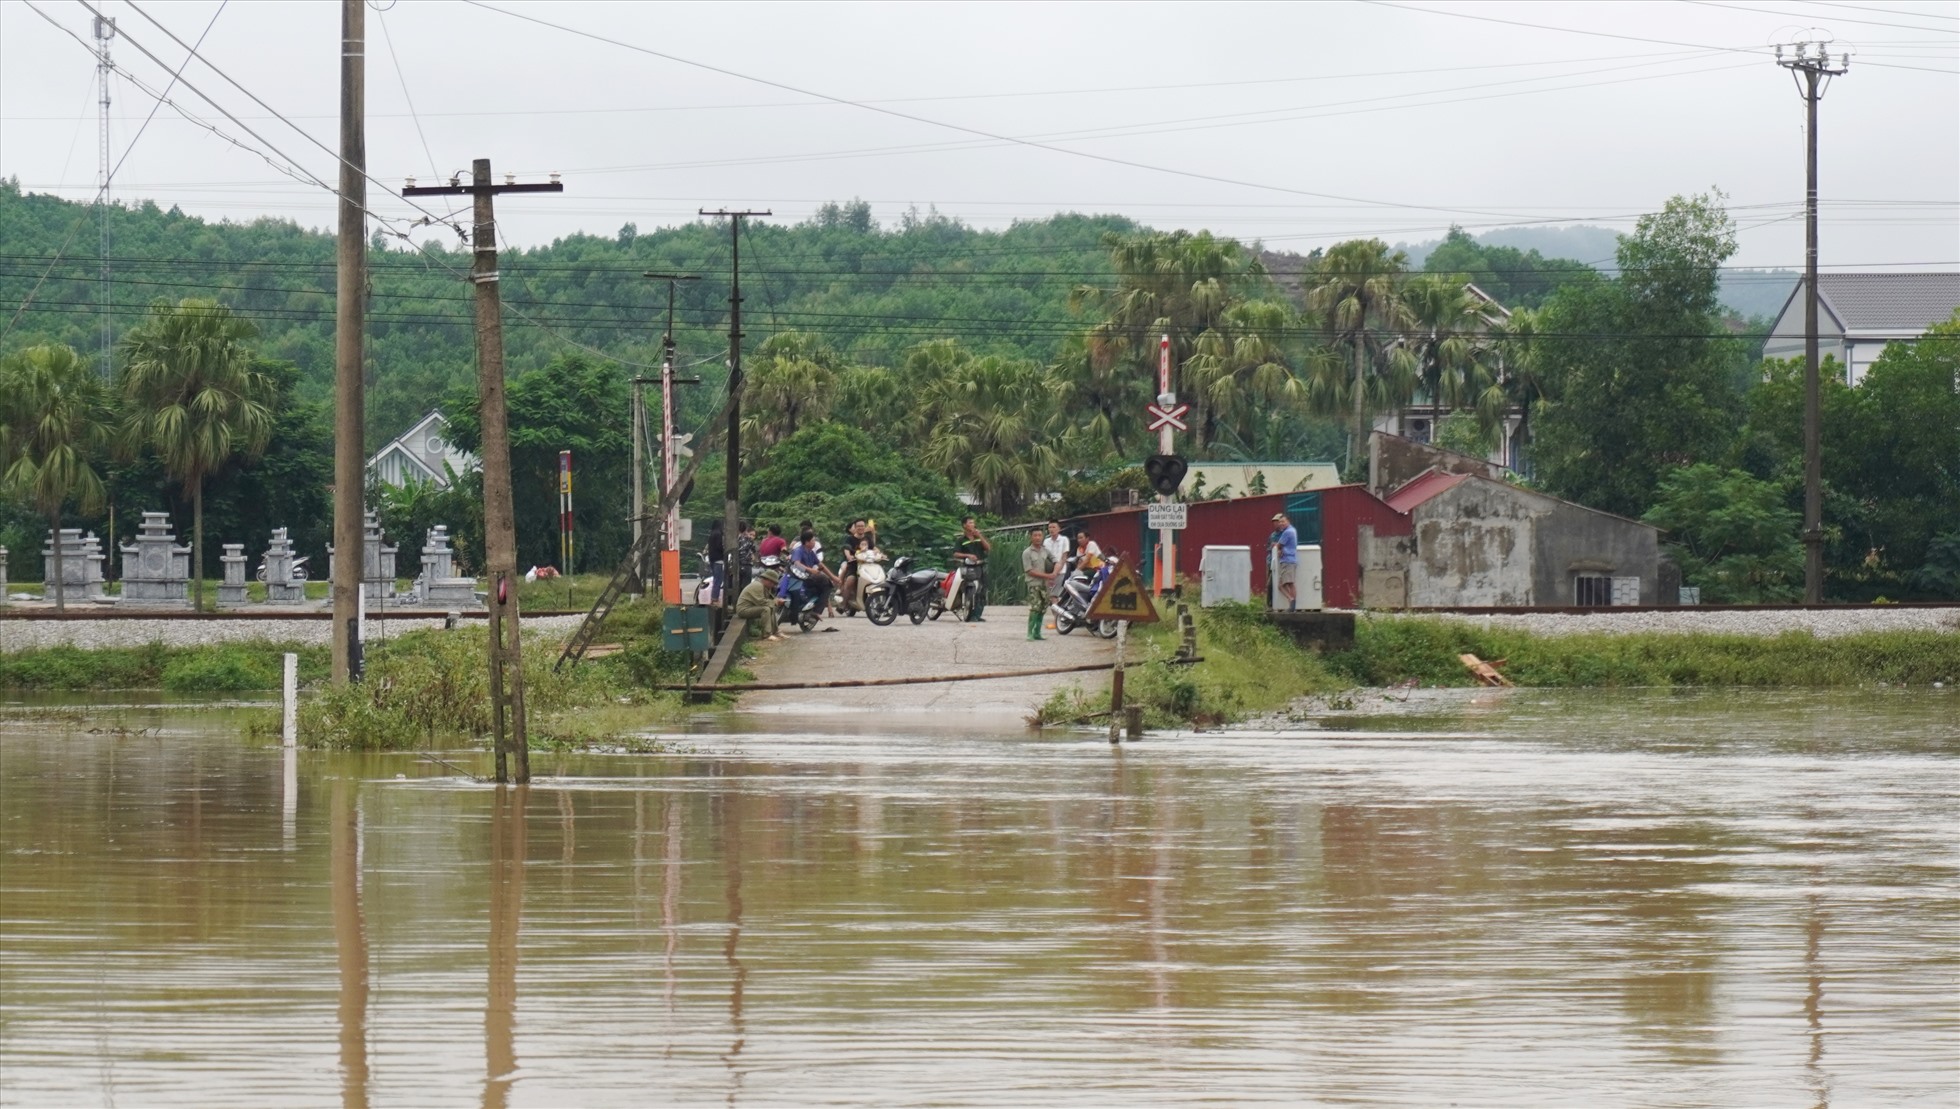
point(105, 29)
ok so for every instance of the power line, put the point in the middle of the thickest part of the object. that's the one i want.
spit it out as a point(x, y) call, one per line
point(1840, 19)
point(1215, 178)
point(381, 18)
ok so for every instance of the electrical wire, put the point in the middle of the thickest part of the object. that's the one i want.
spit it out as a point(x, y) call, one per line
point(1839, 19)
point(402, 77)
point(103, 186)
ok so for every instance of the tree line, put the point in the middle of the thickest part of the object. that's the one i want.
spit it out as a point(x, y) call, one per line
point(1632, 393)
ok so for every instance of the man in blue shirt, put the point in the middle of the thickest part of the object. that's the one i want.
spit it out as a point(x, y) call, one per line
point(1285, 543)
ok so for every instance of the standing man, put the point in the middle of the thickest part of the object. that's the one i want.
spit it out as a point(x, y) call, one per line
point(1037, 570)
point(1057, 546)
point(773, 544)
point(1285, 544)
point(971, 552)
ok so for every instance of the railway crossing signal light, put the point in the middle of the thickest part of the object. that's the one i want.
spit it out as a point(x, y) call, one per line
point(1165, 472)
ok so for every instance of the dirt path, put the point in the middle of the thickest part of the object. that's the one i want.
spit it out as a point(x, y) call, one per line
point(846, 648)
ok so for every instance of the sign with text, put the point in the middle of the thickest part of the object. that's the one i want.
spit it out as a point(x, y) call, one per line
point(1122, 597)
point(1169, 515)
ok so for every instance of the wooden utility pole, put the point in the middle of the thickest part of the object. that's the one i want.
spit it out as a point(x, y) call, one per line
point(670, 518)
point(1812, 69)
point(731, 520)
point(499, 518)
point(349, 401)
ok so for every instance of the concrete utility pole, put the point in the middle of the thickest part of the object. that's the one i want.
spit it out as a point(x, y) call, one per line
point(1811, 67)
point(499, 518)
point(105, 29)
point(349, 401)
point(731, 522)
point(670, 520)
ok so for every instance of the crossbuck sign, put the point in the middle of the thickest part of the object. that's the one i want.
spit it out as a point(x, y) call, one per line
point(1171, 417)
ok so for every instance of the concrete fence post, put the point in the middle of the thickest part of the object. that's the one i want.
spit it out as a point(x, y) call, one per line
point(289, 724)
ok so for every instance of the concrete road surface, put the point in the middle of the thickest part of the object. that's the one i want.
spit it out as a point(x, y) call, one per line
point(845, 648)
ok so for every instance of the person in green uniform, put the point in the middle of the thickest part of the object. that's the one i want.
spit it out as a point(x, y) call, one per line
point(1037, 569)
point(971, 551)
point(757, 601)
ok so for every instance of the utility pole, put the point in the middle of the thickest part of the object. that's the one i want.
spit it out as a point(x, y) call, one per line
point(349, 400)
point(499, 518)
point(105, 29)
point(670, 539)
point(1811, 67)
point(731, 519)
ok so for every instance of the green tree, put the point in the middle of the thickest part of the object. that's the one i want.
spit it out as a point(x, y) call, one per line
point(1178, 284)
point(1449, 338)
point(57, 427)
point(1637, 375)
point(989, 424)
point(191, 395)
point(1242, 373)
point(1732, 534)
point(791, 380)
point(1354, 297)
point(1514, 278)
point(576, 403)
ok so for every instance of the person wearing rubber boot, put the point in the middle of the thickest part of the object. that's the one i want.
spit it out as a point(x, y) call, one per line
point(1038, 570)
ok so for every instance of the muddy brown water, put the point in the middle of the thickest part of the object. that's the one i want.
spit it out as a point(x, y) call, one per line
point(1516, 899)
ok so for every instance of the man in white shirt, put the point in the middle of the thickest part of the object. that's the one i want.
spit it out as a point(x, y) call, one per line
point(1056, 545)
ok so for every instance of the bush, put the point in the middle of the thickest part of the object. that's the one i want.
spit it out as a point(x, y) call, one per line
point(225, 670)
point(213, 668)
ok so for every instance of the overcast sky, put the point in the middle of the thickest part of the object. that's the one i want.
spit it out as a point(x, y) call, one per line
point(1296, 124)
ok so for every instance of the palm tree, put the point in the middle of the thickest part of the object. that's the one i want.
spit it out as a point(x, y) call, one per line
point(991, 425)
point(1177, 284)
point(1516, 386)
point(1450, 339)
point(791, 381)
point(1239, 371)
point(57, 423)
point(191, 395)
point(1355, 296)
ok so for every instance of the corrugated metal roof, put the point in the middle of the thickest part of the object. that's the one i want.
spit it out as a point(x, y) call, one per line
point(1423, 486)
point(1906, 303)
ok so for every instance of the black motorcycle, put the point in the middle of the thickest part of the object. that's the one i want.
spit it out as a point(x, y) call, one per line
point(808, 592)
point(904, 590)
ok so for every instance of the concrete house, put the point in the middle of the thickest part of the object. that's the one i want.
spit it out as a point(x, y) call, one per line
point(1859, 313)
point(1476, 541)
point(419, 454)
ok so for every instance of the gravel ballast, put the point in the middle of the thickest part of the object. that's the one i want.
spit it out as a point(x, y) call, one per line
point(1824, 623)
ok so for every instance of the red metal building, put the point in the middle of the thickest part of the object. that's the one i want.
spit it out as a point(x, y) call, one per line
point(1328, 517)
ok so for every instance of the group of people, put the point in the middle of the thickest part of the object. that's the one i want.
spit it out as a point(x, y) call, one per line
point(778, 579)
point(1047, 562)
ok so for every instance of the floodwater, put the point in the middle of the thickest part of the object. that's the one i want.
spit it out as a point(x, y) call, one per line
point(1517, 899)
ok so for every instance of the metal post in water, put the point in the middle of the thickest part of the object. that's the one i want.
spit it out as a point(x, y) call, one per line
point(1116, 686)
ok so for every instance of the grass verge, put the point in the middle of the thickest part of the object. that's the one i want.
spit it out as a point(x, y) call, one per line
point(212, 668)
point(1399, 650)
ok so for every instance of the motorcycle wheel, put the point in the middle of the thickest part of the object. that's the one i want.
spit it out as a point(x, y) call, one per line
point(1064, 623)
point(878, 609)
point(1106, 628)
point(808, 621)
point(934, 610)
point(917, 612)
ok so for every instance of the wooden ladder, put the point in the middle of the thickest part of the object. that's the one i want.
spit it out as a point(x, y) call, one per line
point(595, 620)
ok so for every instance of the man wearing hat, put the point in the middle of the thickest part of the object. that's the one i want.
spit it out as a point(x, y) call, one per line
point(1285, 559)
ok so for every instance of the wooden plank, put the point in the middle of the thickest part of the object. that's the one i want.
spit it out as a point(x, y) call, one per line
point(1486, 672)
point(724, 655)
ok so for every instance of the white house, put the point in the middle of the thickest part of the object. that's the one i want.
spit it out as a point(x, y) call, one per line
point(1858, 313)
point(420, 454)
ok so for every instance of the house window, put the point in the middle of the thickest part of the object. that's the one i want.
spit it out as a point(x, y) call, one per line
point(1592, 589)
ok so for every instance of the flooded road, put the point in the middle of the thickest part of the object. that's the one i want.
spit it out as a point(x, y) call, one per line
point(1516, 899)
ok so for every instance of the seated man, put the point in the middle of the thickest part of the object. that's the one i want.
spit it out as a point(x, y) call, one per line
point(757, 601)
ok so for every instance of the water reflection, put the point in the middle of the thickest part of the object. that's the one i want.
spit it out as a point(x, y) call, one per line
point(350, 942)
point(1671, 901)
point(507, 857)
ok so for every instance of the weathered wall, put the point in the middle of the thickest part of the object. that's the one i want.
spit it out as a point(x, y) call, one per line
point(1474, 547)
point(1384, 560)
point(1572, 540)
point(1393, 461)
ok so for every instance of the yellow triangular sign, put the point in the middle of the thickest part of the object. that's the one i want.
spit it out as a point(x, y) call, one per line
point(1123, 597)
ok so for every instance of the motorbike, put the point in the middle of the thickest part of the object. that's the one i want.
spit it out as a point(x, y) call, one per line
point(958, 588)
point(1071, 609)
point(808, 592)
point(903, 589)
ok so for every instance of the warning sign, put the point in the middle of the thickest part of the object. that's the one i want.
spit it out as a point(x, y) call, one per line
point(1122, 597)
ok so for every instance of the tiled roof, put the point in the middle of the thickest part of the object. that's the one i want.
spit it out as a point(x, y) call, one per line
point(1423, 486)
point(1907, 303)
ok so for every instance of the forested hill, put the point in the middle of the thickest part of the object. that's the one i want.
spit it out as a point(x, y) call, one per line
point(871, 291)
